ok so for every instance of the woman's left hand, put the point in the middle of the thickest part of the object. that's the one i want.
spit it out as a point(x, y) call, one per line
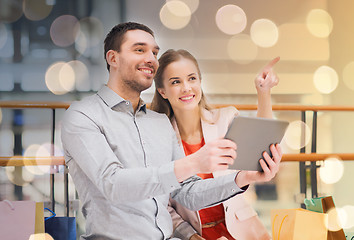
point(267, 78)
point(269, 165)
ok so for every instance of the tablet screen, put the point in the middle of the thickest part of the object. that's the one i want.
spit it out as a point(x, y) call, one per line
point(253, 136)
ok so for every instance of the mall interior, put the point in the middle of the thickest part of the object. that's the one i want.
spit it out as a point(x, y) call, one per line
point(51, 51)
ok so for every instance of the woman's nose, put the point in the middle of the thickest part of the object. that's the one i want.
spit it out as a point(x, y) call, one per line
point(186, 86)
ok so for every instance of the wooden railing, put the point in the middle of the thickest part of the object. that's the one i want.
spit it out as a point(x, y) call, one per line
point(19, 161)
point(303, 158)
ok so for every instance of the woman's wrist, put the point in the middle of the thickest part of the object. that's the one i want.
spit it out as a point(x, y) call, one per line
point(196, 236)
point(243, 179)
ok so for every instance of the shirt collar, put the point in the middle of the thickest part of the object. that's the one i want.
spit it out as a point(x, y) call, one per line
point(112, 99)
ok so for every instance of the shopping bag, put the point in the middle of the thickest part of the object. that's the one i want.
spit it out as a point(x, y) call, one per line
point(298, 224)
point(60, 228)
point(326, 205)
point(41, 236)
point(17, 219)
point(349, 235)
point(39, 220)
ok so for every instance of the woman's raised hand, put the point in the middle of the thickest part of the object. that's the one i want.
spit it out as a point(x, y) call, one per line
point(267, 78)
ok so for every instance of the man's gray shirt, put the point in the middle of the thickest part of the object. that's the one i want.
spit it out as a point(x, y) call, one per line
point(122, 164)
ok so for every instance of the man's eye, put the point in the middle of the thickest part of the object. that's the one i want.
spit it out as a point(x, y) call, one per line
point(139, 50)
point(193, 78)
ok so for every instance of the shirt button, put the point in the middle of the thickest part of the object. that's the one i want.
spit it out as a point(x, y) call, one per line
point(127, 103)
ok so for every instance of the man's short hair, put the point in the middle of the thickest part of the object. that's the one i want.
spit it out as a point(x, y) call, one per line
point(115, 37)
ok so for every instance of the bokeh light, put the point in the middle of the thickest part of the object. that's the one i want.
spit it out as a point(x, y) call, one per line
point(36, 9)
point(3, 34)
point(36, 150)
point(11, 11)
point(346, 216)
point(60, 78)
point(241, 49)
point(231, 19)
point(332, 170)
point(91, 34)
point(319, 23)
point(334, 221)
point(19, 176)
point(192, 4)
point(325, 79)
point(81, 43)
point(293, 136)
point(175, 14)
point(348, 75)
point(40, 236)
point(64, 30)
point(81, 75)
point(264, 33)
point(92, 30)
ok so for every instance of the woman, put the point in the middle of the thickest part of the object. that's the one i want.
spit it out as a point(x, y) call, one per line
point(179, 95)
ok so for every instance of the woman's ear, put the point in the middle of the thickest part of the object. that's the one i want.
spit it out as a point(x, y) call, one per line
point(162, 92)
point(111, 57)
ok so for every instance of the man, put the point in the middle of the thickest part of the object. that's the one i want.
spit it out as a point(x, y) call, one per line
point(125, 160)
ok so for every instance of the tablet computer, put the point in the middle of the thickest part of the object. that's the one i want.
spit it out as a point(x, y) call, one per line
point(253, 136)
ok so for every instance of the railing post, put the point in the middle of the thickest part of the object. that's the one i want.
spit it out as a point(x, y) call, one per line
point(66, 191)
point(52, 168)
point(313, 150)
point(302, 165)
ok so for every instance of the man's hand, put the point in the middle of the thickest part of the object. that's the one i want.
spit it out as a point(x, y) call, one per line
point(267, 79)
point(246, 177)
point(213, 156)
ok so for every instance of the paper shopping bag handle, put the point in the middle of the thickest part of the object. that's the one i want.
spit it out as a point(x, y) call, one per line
point(281, 224)
point(10, 204)
point(50, 216)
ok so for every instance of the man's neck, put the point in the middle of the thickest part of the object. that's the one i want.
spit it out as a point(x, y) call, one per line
point(124, 92)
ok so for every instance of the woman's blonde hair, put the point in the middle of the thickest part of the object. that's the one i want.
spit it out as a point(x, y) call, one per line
point(161, 105)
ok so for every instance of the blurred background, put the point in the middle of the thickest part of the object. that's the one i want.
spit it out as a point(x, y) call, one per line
point(52, 50)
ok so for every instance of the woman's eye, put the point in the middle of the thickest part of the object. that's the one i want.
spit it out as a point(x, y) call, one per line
point(139, 50)
point(193, 78)
point(175, 82)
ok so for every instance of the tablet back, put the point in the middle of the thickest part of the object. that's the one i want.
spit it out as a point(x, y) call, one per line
point(253, 136)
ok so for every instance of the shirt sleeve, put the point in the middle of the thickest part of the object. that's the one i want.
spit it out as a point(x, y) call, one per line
point(196, 194)
point(87, 149)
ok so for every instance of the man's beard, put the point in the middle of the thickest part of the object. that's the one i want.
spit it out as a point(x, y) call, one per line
point(135, 85)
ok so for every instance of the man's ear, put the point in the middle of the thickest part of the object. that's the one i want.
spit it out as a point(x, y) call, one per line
point(162, 92)
point(112, 58)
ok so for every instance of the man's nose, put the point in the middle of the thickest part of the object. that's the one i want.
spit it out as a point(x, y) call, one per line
point(150, 58)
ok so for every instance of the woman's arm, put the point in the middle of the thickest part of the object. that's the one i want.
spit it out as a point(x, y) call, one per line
point(181, 228)
point(264, 82)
